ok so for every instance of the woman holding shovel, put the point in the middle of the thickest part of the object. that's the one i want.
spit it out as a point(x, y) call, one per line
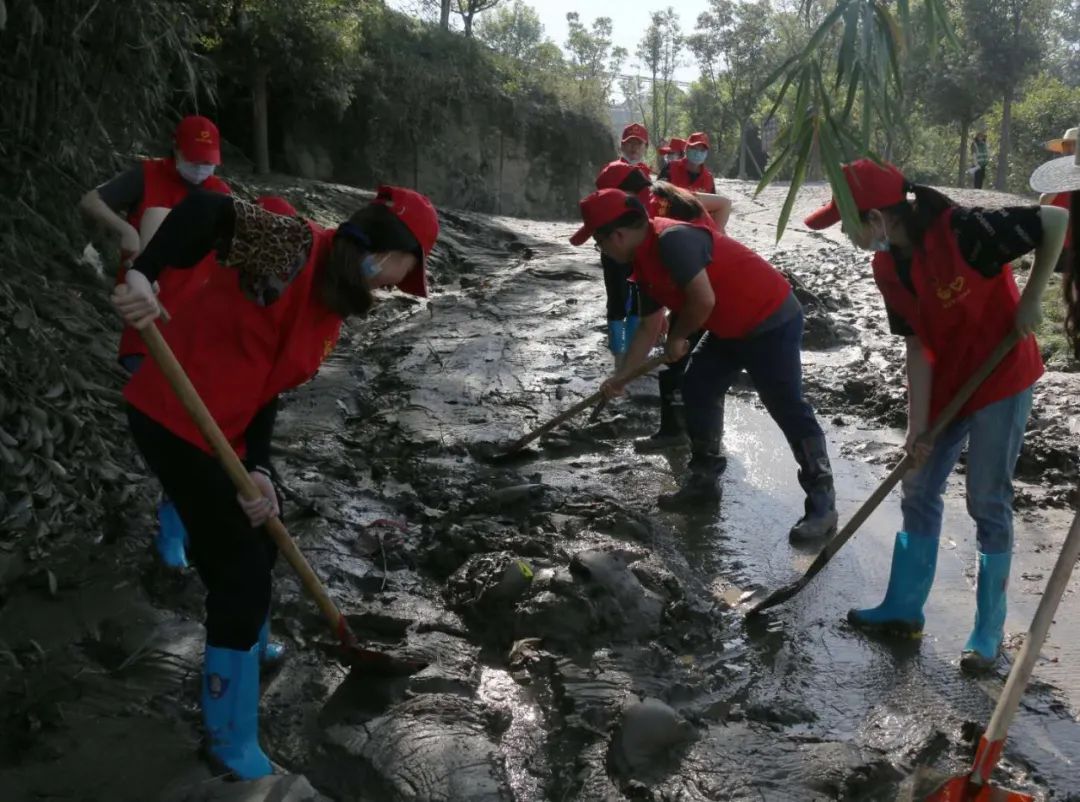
point(256, 329)
point(751, 320)
point(944, 275)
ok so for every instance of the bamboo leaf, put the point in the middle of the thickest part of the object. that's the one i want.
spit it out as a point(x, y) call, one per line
point(845, 58)
point(826, 25)
point(798, 178)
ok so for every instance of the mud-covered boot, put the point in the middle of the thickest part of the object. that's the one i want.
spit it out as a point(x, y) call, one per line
point(815, 476)
point(271, 653)
point(230, 703)
point(170, 542)
point(701, 485)
point(914, 562)
point(983, 647)
point(671, 435)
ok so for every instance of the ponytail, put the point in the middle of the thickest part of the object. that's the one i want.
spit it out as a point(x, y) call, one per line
point(1071, 286)
point(919, 215)
point(677, 203)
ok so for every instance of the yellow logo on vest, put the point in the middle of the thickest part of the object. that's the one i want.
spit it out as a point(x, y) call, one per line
point(953, 292)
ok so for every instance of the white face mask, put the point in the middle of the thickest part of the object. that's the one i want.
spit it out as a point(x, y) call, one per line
point(194, 173)
point(881, 244)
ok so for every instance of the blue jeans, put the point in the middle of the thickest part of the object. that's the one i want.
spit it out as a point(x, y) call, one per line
point(131, 363)
point(773, 360)
point(994, 435)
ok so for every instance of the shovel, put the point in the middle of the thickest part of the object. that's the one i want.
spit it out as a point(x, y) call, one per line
point(352, 653)
point(645, 367)
point(975, 785)
point(895, 475)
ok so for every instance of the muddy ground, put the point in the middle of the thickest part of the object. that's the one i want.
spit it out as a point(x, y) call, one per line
point(580, 644)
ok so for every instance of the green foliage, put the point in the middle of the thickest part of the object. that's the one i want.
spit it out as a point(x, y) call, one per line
point(514, 31)
point(593, 62)
point(660, 52)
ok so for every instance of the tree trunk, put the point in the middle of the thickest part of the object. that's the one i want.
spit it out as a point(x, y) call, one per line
point(444, 15)
point(742, 151)
point(965, 129)
point(260, 109)
point(1004, 140)
point(467, 17)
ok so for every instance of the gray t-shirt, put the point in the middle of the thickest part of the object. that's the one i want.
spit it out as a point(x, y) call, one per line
point(124, 193)
point(684, 252)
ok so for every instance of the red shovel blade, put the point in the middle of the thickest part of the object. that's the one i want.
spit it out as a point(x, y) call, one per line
point(961, 789)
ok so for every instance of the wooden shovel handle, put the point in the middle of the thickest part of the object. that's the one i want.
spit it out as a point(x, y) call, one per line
point(162, 354)
point(645, 367)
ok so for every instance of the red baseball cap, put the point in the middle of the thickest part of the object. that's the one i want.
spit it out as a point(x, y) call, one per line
point(663, 150)
point(635, 131)
point(198, 140)
point(698, 138)
point(277, 205)
point(873, 185)
point(602, 207)
point(677, 145)
point(419, 216)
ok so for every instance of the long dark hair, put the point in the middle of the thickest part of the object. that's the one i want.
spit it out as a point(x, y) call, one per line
point(1071, 287)
point(918, 215)
point(373, 229)
point(677, 203)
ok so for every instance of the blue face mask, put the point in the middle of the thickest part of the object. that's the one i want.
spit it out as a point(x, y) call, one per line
point(881, 244)
point(697, 156)
point(369, 268)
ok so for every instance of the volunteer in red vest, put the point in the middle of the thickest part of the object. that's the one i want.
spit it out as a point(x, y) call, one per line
point(632, 149)
point(661, 199)
point(1066, 146)
point(261, 325)
point(751, 320)
point(676, 151)
point(944, 274)
point(691, 173)
point(132, 205)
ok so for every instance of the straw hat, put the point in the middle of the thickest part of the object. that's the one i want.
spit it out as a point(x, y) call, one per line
point(1058, 145)
point(1058, 175)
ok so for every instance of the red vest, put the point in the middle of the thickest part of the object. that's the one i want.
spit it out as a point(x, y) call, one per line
point(1063, 200)
point(748, 289)
point(642, 167)
point(679, 175)
point(163, 187)
point(239, 355)
point(959, 316)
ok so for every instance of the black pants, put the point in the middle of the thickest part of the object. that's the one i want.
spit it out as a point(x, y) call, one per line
point(979, 177)
point(671, 377)
point(621, 293)
point(233, 559)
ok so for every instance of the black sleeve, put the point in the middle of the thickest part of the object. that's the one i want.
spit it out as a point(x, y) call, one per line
point(200, 223)
point(123, 193)
point(258, 435)
point(989, 238)
point(665, 172)
point(685, 251)
point(897, 324)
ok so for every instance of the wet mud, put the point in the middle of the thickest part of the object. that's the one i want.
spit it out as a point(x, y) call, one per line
point(579, 643)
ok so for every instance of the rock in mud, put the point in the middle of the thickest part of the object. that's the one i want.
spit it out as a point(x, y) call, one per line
point(435, 748)
point(620, 600)
point(648, 733)
point(486, 588)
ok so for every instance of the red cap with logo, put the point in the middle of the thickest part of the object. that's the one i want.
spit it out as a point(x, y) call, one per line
point(419, 216)
point(635, 131)
point(602, 207)
point(873, 185)
point(277, 205)
point(677, 145)
point(697, 139)
point(663, 150)
point(198, 140)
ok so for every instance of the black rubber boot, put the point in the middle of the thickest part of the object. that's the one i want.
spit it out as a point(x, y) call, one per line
point(815, 476)
point(672, 433)
point(701, 485)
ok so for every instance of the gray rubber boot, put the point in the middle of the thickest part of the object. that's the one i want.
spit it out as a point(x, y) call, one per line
point(701, 485)
point(815, 475)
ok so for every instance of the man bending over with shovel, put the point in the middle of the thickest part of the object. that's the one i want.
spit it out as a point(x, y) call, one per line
point(751, 320)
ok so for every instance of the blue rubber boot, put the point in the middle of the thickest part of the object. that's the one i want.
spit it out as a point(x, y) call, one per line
point(617, 337)
point(632, 322)
point(230, 703)
point(271, 654)
point(914, 561)
point(171, 536)
point(983, 647)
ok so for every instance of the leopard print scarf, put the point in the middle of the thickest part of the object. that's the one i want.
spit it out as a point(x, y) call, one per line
point(268, 250)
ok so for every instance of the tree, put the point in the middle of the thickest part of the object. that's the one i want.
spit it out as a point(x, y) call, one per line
point(734, 45)
point(594, 63)
point(514, 31)
point(659, 51)
point(444, 14)
point(468, 9)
